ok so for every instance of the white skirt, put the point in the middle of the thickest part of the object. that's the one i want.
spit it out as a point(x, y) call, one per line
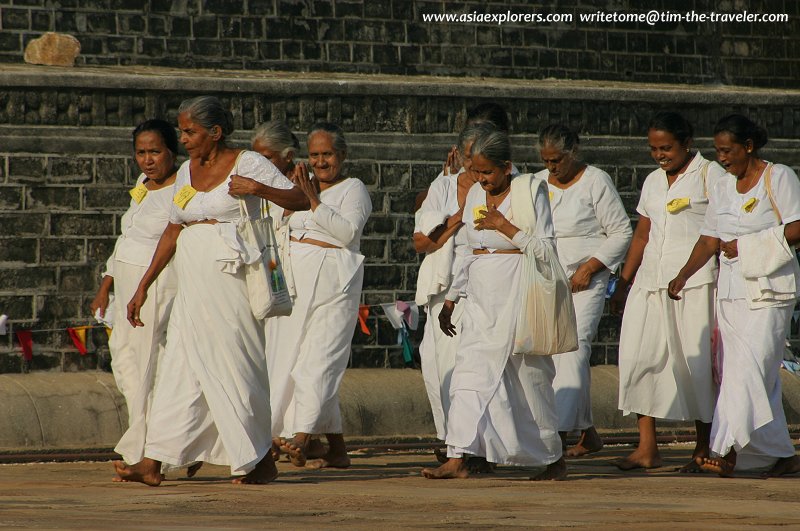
point(665, 354)
point(211, 401)
point(308, 351)
point(438, 355)
point(749, 416)
point(135, 352)
point(502, 406)
point(572, 384)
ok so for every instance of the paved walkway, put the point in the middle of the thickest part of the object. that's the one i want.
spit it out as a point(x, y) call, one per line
point(385, 491)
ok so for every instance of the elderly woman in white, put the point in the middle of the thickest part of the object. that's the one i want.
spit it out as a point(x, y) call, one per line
point(211, 400)
point(501, 405)
point(440, 234)
point(665, 348)
point(135, 352)
point(308, 351)
point(754, 220)
point(592, 235)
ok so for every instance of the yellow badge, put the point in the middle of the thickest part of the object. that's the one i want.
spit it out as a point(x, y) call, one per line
point(750, 205)
point(677, 204)
point(478, 212)
point(138, 192)
point(184, 195)
point(551, 196)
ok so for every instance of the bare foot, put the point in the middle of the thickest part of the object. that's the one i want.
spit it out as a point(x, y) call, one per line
point(192, 470)
point(639, 459)
point(479, 465)
point(694, 466)
point(315, 449)
point(454, 468)
point(264, 472)
point(717, 465)
point(554, 472)
point(784, 466)
point(146, 471)
point(295, 452)
point(441, 455)
point(330, 460)
point(589, 443)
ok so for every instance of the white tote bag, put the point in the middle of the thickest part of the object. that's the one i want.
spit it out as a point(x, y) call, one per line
point(266, 284)
point(546, 323)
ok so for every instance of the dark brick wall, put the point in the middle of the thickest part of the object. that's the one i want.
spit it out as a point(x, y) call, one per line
point(64, 177)
point(390, 37)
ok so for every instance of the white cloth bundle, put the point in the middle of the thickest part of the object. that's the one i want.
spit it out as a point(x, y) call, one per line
point(769, 267)
point(435, 273)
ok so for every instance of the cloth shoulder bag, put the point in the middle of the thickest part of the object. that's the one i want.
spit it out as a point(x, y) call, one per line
point(546, 323)
point(266, 283)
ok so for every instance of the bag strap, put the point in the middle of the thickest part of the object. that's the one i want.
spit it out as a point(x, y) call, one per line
point(235, 171)
point(768, 186)
point(705, 177)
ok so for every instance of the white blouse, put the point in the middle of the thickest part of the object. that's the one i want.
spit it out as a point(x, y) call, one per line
point(339, 220)
point(443, 198)
point(590, 221)
point(141, 227)
point(727, 218)
point(674, 233)
point(492, 239)
point(218, 204)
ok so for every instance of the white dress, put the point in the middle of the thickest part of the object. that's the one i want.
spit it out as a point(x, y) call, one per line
point(501, 405)
point(749, 415)
point(665, 345)
point(590, 221)
point(308, 351)
point(135, 352)
point(211, 401)
point(438, 351)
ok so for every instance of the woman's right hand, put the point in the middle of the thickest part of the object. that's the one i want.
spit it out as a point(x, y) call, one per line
point(100, 302)
point(449, 167)
point(616, 304)
point(135, 306)
point(445, 318)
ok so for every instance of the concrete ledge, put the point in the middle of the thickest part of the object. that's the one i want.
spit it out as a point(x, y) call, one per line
point(43, 411)
point(339, 84)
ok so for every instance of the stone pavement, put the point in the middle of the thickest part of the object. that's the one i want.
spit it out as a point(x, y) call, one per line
point(385, 491)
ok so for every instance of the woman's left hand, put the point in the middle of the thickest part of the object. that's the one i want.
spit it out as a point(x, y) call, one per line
point(492, 219)
point(729, 249)
point(239, 186)
point(582, 278)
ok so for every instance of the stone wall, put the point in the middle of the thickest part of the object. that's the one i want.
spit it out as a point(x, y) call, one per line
point(391, 37)
point(65, 167)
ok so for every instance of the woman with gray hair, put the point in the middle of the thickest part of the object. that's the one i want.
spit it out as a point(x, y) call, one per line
point(502, 405)
point(211, 398)
point(278, 144)
point(592, 235)
point(309, 350)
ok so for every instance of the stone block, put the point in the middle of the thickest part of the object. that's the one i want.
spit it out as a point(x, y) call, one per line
point(18, 307)
point(17, 250)
point(59, 308)
point(76, 280)
point(81, 224)
point(59, 251)
point(23, 224)
point(52, 198)
point(368, 358)
point(25, 169)
point(15, 19)
point(402, 250)
point(374, 249)
point(70, 169)
point(23, 278)
point(345, 8)
point(11, 197)
point(99, 249)
point(382, 276)
point(114, 171)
